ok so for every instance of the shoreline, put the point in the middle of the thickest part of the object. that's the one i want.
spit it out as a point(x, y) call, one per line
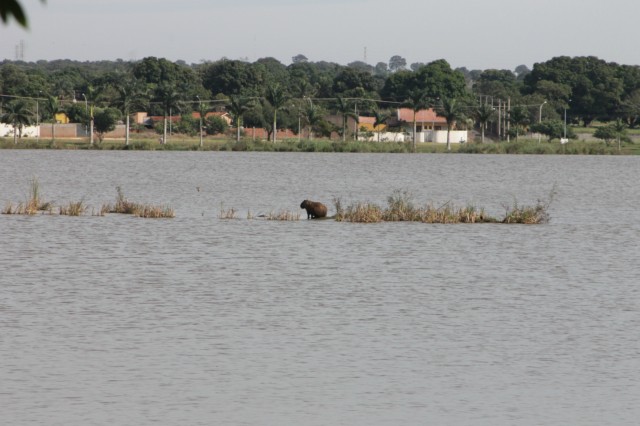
point(179, 143)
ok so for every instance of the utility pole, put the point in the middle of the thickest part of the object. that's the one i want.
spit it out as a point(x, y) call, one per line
point(499, 120)
point(200, 114)
point(508, 118)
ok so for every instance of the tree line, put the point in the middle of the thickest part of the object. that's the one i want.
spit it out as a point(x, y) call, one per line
point(269, 94)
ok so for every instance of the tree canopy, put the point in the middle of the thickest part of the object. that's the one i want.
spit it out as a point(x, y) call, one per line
point(588, 88)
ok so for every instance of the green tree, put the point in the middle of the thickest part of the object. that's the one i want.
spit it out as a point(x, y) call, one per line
point(52, 107)
point(230, 78)
point(352, 82)
point(436, 79)
point(18, 115)
point(313, 115)
point(343, 107)
point(277, 98)
point(451, 110)
point(171, 102)
point(630, 108)
point(606, 133)
point(500, 84)
point(13, 8)
point(131, 95)
point(519, 117)
point(237, 106)
point(397, 63)
point(104, 121)
point(553, 129)
point(380, 118)
point(620, 130)
point(594, 86)
point(216, 125)
point(417, 100)
point(483, 114)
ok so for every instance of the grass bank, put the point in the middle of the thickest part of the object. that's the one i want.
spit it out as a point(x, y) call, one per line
point(180, 143)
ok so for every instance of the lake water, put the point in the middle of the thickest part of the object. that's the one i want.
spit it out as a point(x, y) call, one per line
point(197, 320)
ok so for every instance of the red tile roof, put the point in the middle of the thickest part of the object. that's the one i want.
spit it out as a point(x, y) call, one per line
point(422, 116)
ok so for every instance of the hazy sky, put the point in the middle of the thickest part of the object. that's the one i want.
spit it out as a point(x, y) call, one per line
point(477, 34)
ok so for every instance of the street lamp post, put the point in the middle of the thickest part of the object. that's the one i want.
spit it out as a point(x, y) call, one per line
point(540, 120)
point(38, 116)
point(200, 114)
point(86, 107)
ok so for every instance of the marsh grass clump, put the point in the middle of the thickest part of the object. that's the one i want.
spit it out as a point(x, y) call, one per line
point(361, 212)
point(530, 215)
point(227, 213)
point(76, 208)
point(33, 204)
point(9, 208)
point(401, 208)
point(123, 205)
point(153, 212)
point(284, 215)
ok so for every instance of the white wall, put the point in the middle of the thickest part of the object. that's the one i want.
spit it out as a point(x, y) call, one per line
point(440, 136)
point(6, 130)
point(384, 137)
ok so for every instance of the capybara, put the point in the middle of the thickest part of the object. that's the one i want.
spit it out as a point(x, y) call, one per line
point(314, 209)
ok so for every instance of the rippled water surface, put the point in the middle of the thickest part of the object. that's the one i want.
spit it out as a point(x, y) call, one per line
point(196, 320)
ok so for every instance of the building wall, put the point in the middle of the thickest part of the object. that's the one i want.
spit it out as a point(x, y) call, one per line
point(440, 136)
point(384, 137)
point(6, 130)
point(63, 130)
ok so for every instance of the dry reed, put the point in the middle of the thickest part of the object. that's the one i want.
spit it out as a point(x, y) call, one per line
point(401, 208)
point(227, 213)
point(284, 215)
point(73, 209)
point(153, 212)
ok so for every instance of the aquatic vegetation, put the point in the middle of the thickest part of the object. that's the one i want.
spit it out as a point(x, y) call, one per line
point(401, 208)
point(76, 208)
point(33, 204)
point(284, 215)
point(123, 205)
point(227, 213)
point(360, 212)
point(153, 212)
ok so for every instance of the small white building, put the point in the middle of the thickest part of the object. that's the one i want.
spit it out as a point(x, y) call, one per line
point(430, 127)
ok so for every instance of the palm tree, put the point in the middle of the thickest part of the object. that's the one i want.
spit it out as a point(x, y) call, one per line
point(237, 106)
point(519, 117)
point(313, 115)
point(417, 100)
point(52, 107)
point(450, 109)
point(381, 118)
point(343, 107)
point(170, 100)
point(130, 95)
point(277, 97)
point(483, 114)
point(18, 116)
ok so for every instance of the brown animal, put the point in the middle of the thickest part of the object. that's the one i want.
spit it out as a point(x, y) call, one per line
point(314, 209)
